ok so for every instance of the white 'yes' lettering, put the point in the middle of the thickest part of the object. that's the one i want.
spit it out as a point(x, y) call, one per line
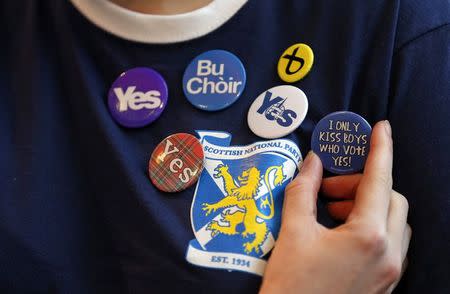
point(137, 100)
point(176, 164)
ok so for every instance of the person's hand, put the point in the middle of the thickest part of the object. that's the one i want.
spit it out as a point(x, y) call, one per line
point(366, 254)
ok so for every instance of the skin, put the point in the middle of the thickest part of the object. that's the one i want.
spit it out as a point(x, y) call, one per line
point(366, 253)
point(162, 7)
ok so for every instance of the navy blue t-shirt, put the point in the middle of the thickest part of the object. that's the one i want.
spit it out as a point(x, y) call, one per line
point(78, 213)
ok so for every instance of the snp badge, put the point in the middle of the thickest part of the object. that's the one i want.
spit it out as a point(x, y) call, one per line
point(236, 209)
point(295, 63)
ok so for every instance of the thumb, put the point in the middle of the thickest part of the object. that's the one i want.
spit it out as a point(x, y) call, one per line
point(300, 199)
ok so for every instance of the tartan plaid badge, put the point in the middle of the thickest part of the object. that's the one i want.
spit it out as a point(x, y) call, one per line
point(176, 163)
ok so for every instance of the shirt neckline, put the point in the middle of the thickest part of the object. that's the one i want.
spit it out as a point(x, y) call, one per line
point(157, 29)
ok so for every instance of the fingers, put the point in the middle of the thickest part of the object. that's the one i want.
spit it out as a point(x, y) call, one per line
point(396, 223)
point(374, 191)
point(340, 210)
point(399, 232)
point(404, 266)
point(406, 240)
point(341, 187)
point(394, 285)
point(300, 202)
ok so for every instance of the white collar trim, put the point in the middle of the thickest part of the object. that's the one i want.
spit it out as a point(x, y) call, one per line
point(159, 29)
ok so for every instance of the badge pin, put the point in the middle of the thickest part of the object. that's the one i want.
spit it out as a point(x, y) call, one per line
point(295, 63)
point(342, 140)
point(236, 208)
point(137, 97)
point(176, 163)
point(277, 112)
point(214, 80)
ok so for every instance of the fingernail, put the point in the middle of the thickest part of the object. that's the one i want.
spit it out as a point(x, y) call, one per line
point(387, 127)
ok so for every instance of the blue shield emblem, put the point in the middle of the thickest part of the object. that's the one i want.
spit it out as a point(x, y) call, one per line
point(236, 209)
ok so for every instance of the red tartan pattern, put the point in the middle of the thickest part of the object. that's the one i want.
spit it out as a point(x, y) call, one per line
point(190, 152)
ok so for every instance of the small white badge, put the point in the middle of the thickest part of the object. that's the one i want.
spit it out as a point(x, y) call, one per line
point(277, 112)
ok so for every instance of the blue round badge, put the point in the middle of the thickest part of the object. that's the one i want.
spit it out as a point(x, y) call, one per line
point(214, 80)
point(137, 97)
point(341, 140)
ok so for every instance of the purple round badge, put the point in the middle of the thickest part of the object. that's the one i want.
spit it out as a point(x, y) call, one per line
point(137, 97)
point(341, 140)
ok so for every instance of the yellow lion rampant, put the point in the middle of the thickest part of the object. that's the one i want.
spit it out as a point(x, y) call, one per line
point(242, 194)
